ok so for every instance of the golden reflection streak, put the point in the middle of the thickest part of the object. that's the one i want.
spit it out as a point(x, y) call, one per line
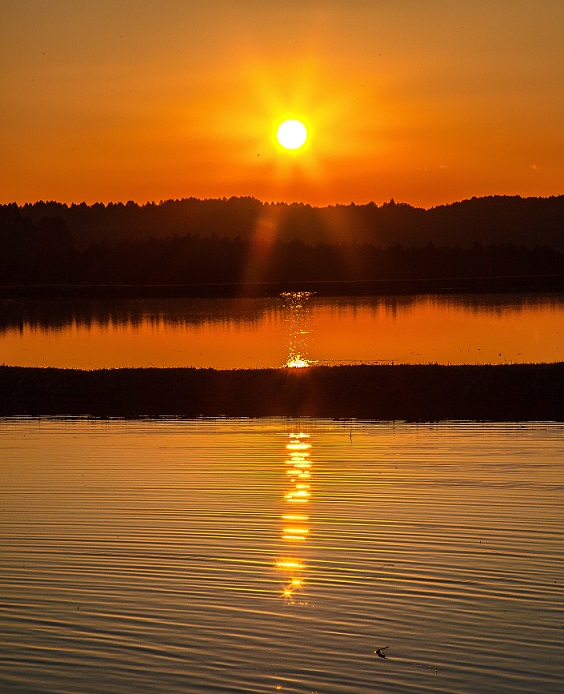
point(297, 363)
point(290, 564)
point(298, 317)
point(295, 529)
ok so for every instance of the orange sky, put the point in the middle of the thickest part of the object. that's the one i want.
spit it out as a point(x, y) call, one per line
point(426, 102)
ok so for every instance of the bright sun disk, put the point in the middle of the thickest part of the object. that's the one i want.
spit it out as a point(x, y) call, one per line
point(291, 134)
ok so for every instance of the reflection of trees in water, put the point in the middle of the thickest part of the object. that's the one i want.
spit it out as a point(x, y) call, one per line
point(497, 304)
point(60, 314)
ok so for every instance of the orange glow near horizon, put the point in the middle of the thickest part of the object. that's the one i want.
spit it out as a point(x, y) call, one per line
point(398, 101)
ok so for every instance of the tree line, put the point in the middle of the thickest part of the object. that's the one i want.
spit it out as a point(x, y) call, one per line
point(495, 219)
point(241, 239)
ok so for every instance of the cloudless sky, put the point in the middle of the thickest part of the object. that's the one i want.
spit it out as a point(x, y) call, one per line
point(423, 101)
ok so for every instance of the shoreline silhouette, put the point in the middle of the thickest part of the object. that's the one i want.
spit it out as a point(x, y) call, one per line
point(511, 284)
point(515, 392)
point(241, 242)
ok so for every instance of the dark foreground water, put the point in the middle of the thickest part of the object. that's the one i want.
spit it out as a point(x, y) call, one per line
point(279, 556)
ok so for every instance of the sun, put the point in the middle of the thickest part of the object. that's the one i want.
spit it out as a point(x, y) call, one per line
point(291, 134)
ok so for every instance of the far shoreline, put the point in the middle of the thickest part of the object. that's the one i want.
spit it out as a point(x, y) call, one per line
point(415, 393)
point(444, 285)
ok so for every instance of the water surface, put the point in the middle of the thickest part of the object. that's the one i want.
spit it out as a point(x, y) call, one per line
point(279, 556)
point(272, 332)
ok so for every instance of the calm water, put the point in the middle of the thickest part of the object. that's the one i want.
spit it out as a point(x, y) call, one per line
point(278, 556)
point(256, 333)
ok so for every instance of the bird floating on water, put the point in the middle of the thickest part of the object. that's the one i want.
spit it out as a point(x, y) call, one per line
point(380, 651)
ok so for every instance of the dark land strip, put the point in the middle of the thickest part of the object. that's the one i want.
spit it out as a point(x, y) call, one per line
point(444, 285)
point(516, 392)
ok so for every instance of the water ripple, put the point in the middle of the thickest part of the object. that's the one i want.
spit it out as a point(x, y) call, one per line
point(180, 556)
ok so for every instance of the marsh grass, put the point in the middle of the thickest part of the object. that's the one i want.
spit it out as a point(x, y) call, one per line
point(515, 392)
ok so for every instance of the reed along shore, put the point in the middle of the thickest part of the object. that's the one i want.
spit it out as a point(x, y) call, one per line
point(516, 392)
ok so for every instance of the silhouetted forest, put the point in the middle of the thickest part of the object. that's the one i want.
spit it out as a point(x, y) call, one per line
point(243, 240)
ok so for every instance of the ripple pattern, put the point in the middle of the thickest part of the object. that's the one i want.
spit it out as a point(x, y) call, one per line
point(279, 556)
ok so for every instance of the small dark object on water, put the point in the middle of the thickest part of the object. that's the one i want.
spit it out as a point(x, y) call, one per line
point(379, 652)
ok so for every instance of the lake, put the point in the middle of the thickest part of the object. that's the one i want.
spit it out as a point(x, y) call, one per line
point(281, 555)
point(291, 329)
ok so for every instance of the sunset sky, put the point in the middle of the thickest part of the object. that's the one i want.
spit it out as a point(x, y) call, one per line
point(426, 102)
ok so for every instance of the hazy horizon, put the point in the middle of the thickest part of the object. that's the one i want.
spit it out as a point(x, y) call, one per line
point(424, 103)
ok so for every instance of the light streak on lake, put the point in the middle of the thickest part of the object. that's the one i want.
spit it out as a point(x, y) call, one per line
point(281, 555)
point(294, 329)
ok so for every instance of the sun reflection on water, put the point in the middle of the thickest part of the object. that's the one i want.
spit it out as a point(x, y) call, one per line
point(295, 526)
point(298, 319)
point(297, 363)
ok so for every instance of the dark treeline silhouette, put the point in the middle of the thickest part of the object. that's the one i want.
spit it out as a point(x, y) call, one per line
point(497, 219)
point(241, 239)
